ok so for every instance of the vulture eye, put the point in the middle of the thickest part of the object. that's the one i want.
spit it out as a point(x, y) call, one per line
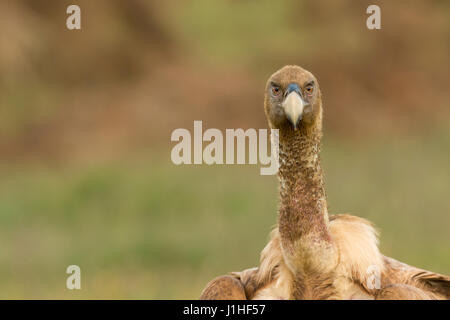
point(276, 90)
point(309, 89)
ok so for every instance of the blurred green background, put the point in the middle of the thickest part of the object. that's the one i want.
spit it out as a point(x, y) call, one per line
point(86, 118)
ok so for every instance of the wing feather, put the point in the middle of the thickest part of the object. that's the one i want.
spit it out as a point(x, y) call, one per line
point(430, 282)
point(224, 288)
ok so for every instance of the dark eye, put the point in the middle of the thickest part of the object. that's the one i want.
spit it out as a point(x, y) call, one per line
point(309, 89)
point(276, 90)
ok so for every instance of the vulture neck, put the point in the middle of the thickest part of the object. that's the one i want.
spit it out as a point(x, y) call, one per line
point(302, 215)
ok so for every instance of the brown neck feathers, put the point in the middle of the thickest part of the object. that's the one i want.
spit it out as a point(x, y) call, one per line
point(303, 208)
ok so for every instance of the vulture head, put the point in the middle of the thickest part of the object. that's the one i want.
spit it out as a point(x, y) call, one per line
point(293, 99)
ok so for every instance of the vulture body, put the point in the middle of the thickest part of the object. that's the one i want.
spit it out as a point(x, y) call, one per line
point(312, 255)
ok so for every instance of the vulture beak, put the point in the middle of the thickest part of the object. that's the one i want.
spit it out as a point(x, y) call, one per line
point(293, 104)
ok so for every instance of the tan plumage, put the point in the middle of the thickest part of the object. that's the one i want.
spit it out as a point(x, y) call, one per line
point(357, 243)
point(312, 255)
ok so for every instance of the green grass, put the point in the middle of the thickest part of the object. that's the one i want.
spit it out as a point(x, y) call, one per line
point(150, 229)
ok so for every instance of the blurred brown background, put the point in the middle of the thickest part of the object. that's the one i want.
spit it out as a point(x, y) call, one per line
point(86, 118)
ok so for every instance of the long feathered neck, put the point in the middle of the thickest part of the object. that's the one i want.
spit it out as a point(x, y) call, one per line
point(302, 216)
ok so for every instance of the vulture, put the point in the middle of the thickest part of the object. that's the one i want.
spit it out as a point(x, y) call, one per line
point(313, 255)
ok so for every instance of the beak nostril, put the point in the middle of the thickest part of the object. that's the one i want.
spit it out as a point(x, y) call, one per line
point(292, 87)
